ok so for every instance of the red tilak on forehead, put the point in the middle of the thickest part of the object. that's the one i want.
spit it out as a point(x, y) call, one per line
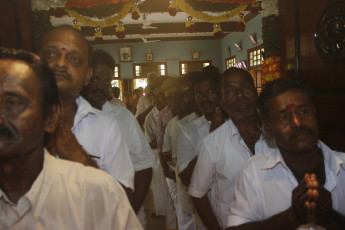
point(290, 106)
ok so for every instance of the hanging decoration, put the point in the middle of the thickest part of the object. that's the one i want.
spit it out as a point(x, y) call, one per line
point(76, 24)
point(102, 23)
point(217, 31)
point(255, 7)
point(120, 31)
point(185, 7)
point(270, 35)
point(135, 11)
point(91, 3)
point(98, 34)
point(271, 69)
point(241, 25)
point(190, 25)
point(172, 8)
point(47, 4)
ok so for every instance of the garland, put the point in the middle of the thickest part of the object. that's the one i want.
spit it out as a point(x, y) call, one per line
point(206, 17)
point(106, 22)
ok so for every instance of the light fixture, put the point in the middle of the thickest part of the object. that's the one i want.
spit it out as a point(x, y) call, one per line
point(238, 46)
point(252, 39)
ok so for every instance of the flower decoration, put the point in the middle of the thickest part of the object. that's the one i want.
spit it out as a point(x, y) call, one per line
point(217, 31)
point(135, 12)
point(172, 8)
point(98, 34)
point(76, 24)
point(255, 7)
point(241, 25)
point(120, 31)
point(190, 25)
point(271, 69)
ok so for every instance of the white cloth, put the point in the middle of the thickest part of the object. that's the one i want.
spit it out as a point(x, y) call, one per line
point(150, 125)
point(189, 140)
point(100, 136)
point(68, 195)
point(138, 147)
point(222, 155)
point(117, 102)
point(264, 186)
point(143, 105)
point(167, 141)
point(140, 151)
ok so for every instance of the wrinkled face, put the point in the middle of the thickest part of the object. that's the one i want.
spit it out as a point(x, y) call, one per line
point(98, 91)
point(158, 99)
point(239, 97)
point(206, 97)
point(22, 127)
point(67, 54)
point(292, 122)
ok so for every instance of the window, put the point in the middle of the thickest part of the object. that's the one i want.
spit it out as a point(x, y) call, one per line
point(255, 57)
point(190, 66)
point(230, 62)
point(141, 70)
point(117, 79)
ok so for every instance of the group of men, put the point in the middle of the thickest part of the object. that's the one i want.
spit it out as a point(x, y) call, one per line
point(216, 162)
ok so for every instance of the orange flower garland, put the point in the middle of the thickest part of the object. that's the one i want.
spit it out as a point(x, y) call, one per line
point(271, 69)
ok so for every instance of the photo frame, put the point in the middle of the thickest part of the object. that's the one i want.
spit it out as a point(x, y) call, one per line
point(125, 54)
point(149, 57)
point(238, 46)
point(252, 39)
point(196, 55)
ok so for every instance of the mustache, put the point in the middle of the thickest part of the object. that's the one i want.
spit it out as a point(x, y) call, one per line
point(99, 91)
point(63, 73)
point(300, 129)
point(4, 131)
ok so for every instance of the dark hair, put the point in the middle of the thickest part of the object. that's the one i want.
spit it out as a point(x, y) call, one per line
point(234, 70)
point(71, 28)
point(116, 91)
point(211, 69)
point(49, 90)
point(206, 76)
point(102, 57)
point(275, 88)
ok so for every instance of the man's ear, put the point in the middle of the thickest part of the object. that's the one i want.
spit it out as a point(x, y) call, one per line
point(88, 76)
point(267, 126)
point(52, 119)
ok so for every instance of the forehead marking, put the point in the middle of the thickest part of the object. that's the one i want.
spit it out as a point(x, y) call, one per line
point(290, 106)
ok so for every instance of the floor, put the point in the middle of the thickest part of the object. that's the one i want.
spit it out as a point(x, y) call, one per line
point(153, 222)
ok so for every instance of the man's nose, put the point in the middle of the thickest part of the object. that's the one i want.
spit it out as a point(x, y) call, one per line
point(295, 121)
point(61, 61)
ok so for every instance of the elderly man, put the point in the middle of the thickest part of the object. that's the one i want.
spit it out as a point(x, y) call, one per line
point(36, 189)
point(302, 182)
point(224, 151)
point(85, 134)
point(96, 93)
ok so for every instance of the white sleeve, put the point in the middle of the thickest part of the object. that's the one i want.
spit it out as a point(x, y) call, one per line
point(149, 129)
point(167, 141)
point(204, 172)
point(245, 206)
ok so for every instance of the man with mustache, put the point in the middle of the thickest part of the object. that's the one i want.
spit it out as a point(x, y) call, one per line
point(84, 134)
point(300, 185)
point(37, 190)
point(96, 93)
point(225, 150)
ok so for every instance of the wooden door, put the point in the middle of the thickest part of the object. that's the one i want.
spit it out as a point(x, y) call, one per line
point(300, 59)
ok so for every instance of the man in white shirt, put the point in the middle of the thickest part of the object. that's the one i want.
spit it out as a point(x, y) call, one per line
point(84, 134)
point(36, 189)
point(224, 151)
point(96, 93)
point(115, 97)
point(299, 185)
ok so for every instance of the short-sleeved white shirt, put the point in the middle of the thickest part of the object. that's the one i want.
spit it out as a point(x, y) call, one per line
point(143, 105)
point(189, 140)
point(138, 147)
point(150, 125)
point(100, 136)
point(264, 186)
point(222, 155)
point(167, 141)
point(69, 195)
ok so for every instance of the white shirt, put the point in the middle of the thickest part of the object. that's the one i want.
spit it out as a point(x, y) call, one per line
point(117, 102)
point(264, 186)
point(167, 141)
point(139, 149)
point(150, 125)
point(189, 140)
point(143, 105)
point(222, 155)
point(100, 136)
point(68, 195)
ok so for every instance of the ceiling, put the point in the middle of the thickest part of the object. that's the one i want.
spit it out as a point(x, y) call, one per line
point(161, 26)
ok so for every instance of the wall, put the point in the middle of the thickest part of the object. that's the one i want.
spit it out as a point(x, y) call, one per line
point(254, 27)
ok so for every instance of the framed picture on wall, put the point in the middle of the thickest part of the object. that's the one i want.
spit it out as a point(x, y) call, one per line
point(125, 54)
point(149, 57)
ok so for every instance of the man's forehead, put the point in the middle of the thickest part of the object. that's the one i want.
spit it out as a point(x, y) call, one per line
point(290, 99)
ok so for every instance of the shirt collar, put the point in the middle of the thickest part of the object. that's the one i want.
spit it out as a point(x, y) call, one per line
point(84, 109)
